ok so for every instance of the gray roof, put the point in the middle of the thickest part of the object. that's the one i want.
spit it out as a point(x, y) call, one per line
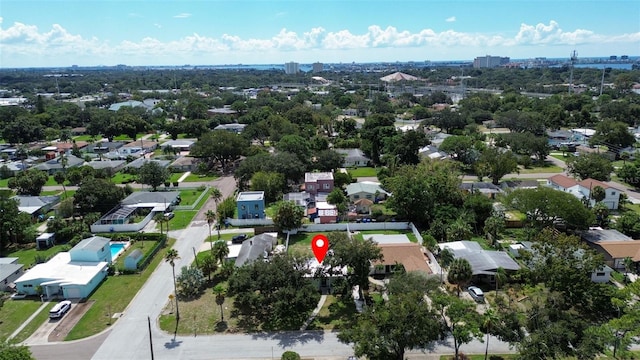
point(482, 187)
point(600, 235)
point(8, 260)
point(232, 126)
point(178, 143)
point(105, 164)
point(109, 145)
point(388, 239)
point(138, 163)
point(56, 164)
point(135, 254)
point(300, 198)
point(519, 184)
point(35, 201)
point(93, 243)
point(7, 269)
point(352, 153)
point(481, 261)
point(366, 187)
point(255, 248)
point(158, 197)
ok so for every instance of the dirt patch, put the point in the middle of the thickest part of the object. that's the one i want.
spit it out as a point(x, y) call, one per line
point(70, 320)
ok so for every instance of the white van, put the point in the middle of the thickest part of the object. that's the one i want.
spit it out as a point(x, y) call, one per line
point(60, 309)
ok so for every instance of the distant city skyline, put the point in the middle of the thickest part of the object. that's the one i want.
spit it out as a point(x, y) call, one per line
point(60, 33)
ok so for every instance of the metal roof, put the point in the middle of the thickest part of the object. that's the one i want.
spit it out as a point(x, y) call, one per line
point(481, 261)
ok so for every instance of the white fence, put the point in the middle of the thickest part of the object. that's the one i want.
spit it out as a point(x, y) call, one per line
point(135, 227)
point(355, 226)
point(195, 203)
point(249, 222)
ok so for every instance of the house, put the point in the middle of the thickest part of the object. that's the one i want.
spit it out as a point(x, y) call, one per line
point(250, 205)
point(409, 255)
point(234, 128)
point(508, 185)
point(66, 147)
point(184, 164)
point(45, 240)
point(302, 199)
point(366, 190)
point(142, 203)
point(139, 162)
point(582, 189)
point(36, 205)
point(256, 248)
point(104, 147)
point(10, 270)
point(432, 152)
point(179, 145)
point(323, 275)
point(487, 189)
point(613, 245)
point(55, 165)
point(76, 131)
point(484, 263)
point(353, 157)
point(141, 145)
point(363, 206)
point(69, 275)
point(113, 166)
point(318, 182)
point(323, 213)
point(221, 111)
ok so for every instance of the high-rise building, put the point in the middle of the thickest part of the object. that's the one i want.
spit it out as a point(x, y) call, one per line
point(317, 67)
point(490, 61)
point(291, 68)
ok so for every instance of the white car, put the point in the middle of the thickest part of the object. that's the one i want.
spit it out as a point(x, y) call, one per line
point(476, 293)
point(60, 309)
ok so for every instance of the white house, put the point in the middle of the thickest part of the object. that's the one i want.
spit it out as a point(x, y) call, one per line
point(582, 190)
point(10, 270)
point(70, 275)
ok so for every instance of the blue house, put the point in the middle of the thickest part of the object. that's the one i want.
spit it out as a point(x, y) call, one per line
point(250, 205)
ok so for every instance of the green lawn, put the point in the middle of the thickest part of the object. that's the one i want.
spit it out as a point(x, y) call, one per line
point(33, 325)
point(113, 296)
point(4, 183)
point(363, 234)
point(13, 313)
point(182, 219)
point(28, 256)
point(120, 178)
point(142, 245)
point(548, 168)
point(189, 197)
point(50, 192)
point(126, 137)
point(199, 178)
point(335, 314)
point(362, 172)
point(175, 177)
point(85, 138)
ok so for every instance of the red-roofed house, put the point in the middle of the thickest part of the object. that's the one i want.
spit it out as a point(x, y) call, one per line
point(582, 189)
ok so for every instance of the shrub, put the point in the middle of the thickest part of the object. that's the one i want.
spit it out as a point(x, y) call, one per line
point(290, 355)
point(201, 188)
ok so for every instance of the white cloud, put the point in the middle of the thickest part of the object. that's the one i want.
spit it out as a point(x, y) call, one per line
point(182, 16)
point(450, 19)
point(23, 42)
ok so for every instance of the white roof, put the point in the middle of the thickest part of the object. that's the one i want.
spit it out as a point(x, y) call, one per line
point(323, 205)
point(585, 132)
point(60, 269)
point(234, 251)
point(313, 265)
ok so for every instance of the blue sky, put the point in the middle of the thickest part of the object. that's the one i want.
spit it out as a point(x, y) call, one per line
point(139, 32)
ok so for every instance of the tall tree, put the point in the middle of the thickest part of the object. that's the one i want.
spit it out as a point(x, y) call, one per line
point(591, 165)
point(356, 255)
point(28, 182)
point(171, 256)
point(386, 330)
point(153, 174)
point(210, 215)
point(219, 146)
point(220, 251)
point(498, 163)
point(288, 217)
point(459, 319)
point(97, 195)
point(460, 273)
point(220, 292)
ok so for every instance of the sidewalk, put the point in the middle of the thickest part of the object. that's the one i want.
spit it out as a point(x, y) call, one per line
point(24, 324)
point(315, 312)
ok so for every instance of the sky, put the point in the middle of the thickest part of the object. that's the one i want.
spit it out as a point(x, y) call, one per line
point(53, 33)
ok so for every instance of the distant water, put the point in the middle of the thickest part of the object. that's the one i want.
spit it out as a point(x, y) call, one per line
point(624, 66)
point(304, 68)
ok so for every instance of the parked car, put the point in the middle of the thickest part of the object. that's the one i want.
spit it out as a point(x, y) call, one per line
point(238, 239)
point(169, 215)
point(476, 293)
point(60, 309)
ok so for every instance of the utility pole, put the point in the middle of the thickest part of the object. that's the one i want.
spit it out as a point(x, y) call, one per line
point(150, 337)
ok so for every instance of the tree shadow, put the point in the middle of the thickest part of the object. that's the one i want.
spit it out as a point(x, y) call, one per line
point(291, 338)
point(172, 344)
point(221, 326)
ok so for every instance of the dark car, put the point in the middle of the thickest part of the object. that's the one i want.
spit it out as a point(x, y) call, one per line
point(238, 239)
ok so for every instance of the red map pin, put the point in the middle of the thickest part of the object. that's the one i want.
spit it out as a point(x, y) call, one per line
point(320, 246)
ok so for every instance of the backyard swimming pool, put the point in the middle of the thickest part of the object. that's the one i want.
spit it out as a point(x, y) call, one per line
point(116, 249)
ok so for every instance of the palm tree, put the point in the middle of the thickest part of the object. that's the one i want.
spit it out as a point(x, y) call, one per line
point(220, 251)
point(489, 320)
point(220, 292)
point(216, 195)
point(460, 273)
point(628, 265)
point(211, 218)
point(171, 256)
point(159, 218)
point(446, 258)
point(500, 277)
